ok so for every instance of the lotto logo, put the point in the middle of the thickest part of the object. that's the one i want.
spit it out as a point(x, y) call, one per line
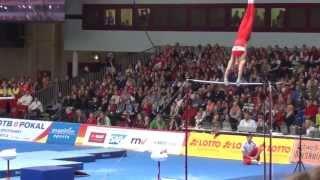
point(116, 139)
point(97, 137)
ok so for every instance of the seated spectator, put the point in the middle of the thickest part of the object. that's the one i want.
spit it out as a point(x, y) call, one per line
point(248, 106)
point(174, 123)
point(311, 110)
point(14, 90)
point(158, 123)
point(310, 128)
point(318, 117)
point(68, 115)
point(247, 124)
point(290, 116)
point(79, 117)
point(25, 100)
point(23, 103)
point(139, 121)
point(91, 119)
point(4, 90)
point(188, 114)
point(279, 119)
point(201, 114)
point(103, 119)
point(210, 106)
point(35, 108)
point(216, 124)
point(262, 125)
point(235, 115)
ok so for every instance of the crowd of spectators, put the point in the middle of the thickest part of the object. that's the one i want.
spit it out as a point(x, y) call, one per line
point(17, 97)
point(154, 94)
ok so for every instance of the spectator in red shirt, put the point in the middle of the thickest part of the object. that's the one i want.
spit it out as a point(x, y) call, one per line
point(311, 110)
point(91, 119)
point(188, 114)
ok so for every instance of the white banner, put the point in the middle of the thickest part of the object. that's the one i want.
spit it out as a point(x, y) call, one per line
point(23, 130)
point(134, 139)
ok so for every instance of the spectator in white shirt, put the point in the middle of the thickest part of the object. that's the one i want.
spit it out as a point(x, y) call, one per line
point(36, 105)
point(247, 124)
point(25, 100)
point(35, 108)
point(199, 117)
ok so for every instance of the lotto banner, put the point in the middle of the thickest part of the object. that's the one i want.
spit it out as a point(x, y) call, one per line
point(24, 130)
point(310, 152)
point(63, 133)
point(229, 147)
point(131, 139)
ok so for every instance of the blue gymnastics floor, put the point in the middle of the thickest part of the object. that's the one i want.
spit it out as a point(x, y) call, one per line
point(139, 166)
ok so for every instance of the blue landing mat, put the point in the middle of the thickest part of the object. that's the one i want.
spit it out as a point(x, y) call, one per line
point(33, 154)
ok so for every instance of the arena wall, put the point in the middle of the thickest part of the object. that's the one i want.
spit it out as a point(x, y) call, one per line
point(135, 41)
point(42, 52)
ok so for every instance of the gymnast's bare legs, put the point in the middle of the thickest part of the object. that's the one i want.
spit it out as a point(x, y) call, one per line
point(239, 61)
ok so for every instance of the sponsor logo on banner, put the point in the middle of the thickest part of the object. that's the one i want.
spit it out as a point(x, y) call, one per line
point(169, 141)
point(97, 137)
point(229, 147)
point(310, 152)
point(23, 124)
point(24, 130)
point(139, 141)
point(63, 133)
point(116, 139)
point(133, 139)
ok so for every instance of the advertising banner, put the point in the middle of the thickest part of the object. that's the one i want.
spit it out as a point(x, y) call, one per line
point(24, 130)
point(310, 152)
point(63, 133)
point(95, 136)
point(81, 134)
point(229, 147)
point(131, 139)
point(170, 141)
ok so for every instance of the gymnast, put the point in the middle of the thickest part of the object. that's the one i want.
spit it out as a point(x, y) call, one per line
point(250, 151)
point(239, 50)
